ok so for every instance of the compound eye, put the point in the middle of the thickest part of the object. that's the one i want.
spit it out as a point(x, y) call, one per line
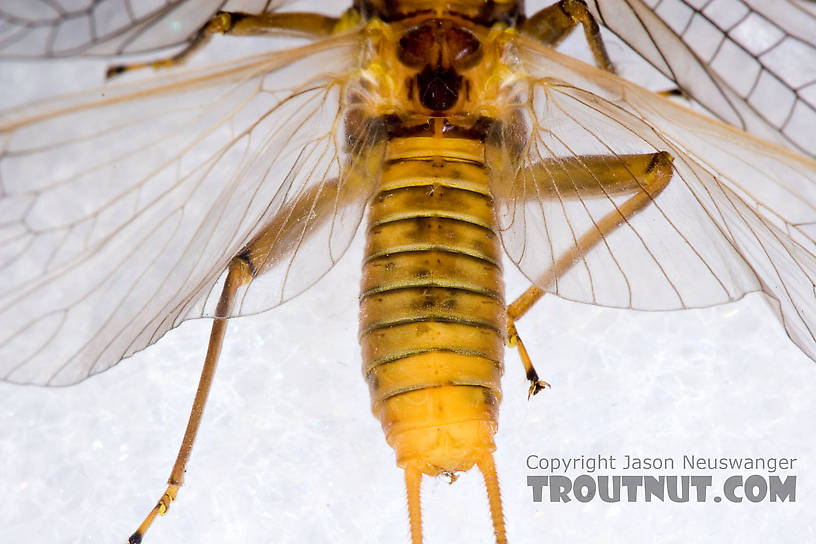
point(465, 48)
point(416, 47)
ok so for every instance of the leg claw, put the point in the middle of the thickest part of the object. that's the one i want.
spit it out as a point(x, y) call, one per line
point(537, 386)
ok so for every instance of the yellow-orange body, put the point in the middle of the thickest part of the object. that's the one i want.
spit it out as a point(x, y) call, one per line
point(432, 312)
point(432, 309)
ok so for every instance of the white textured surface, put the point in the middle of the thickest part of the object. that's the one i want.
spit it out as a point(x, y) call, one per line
point(289, 452)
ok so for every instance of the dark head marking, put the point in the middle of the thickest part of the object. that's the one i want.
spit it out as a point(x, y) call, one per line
point(438, 87)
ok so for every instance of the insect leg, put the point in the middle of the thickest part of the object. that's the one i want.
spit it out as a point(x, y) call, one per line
point(554, 23)
point(514, 341)
point(238, 275)
point(267, 248)
point(303, 25)
point(198, 41)
point(644, 175)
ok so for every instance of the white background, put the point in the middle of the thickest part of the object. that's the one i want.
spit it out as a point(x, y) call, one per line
point(289, 452)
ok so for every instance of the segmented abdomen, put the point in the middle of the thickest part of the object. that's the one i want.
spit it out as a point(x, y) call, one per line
point(432, 314)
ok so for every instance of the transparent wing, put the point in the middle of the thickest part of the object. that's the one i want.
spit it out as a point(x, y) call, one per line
point(59, 28)
point(736, 217)
point(750, 62)
point(120, 214)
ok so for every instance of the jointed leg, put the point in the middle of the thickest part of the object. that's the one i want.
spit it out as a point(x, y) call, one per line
point(237, 276)
point(305, 25)
point(554, 23)
point(514, 341)
point(644, 175)
point(266, 249)
point(198, 41)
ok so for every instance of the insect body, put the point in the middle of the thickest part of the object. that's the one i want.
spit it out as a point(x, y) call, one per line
point(454, 132)
point(432, 312)
point(432, 297)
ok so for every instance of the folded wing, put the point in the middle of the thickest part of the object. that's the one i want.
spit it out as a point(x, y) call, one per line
point(736, 217)
point(750, 62)
point(60, 28)
point(120, 213)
